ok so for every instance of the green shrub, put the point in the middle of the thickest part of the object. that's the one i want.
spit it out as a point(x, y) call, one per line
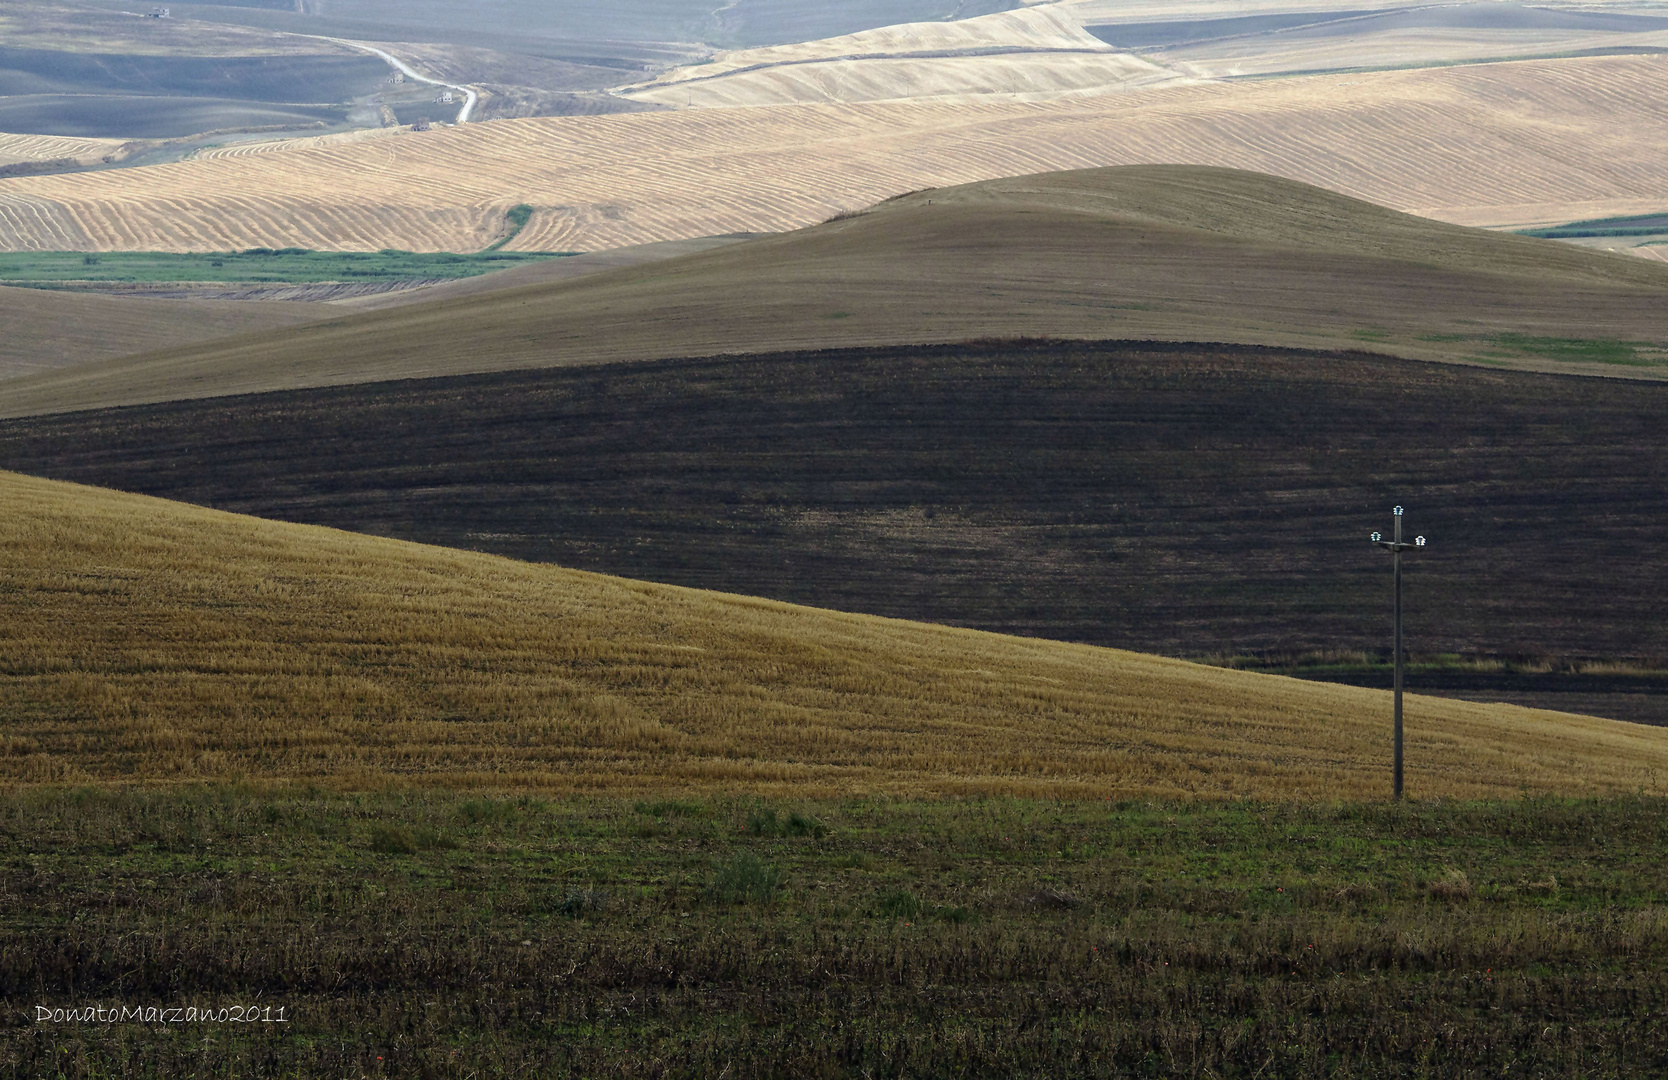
point(766, 823)
point(579, 902)
point(898, 904)
point(669, 808)
point(392, 840)
point(487, 811)
point(744, 878)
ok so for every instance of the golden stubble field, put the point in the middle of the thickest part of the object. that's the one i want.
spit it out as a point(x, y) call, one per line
point(1497, 144)
point(149, 641)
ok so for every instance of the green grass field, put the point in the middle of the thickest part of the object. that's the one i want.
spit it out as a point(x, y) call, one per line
point(257, 266)
point(450, 936)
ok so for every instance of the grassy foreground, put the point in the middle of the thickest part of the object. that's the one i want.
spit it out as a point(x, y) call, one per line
point(158, 642)
point(442, 935)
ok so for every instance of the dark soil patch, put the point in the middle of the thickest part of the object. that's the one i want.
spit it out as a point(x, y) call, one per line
point(1189, 500)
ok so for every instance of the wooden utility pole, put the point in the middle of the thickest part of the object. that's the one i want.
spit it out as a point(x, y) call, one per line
point(1396, 547)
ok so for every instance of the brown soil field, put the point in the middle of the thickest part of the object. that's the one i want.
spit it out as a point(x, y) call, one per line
point(149, 641)
point(1076, 491)
point(1171, 253)
point(1555, 140)
point(43, 331)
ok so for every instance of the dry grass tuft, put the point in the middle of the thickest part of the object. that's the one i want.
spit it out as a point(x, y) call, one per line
point(153, 642)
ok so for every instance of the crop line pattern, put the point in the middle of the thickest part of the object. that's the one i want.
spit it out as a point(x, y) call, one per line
point(1597, 130)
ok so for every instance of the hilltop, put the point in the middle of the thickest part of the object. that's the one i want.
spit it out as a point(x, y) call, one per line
point(1142, 252)
point(153, 641)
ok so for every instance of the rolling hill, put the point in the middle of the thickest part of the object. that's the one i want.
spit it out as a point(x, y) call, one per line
point(149, 641)
point(1030, 54)
point(1192, 500)
point(1172, 253)
point(1049, 50)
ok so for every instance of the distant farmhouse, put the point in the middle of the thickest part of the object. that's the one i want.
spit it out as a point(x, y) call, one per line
point(157, 13)
point(445, 97)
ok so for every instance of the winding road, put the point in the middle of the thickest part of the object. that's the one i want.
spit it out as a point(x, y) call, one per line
point(470, 97)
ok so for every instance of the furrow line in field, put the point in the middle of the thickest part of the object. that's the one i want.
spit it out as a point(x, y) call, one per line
point(635, 177)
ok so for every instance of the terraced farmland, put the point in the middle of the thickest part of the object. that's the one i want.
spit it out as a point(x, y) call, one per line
point(1529, 143)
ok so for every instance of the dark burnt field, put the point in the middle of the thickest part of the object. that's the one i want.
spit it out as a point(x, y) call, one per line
point(1194, 500)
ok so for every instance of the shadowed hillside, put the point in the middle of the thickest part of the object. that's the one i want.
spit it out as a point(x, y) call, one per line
point(1167, 252)
point(1190, 500)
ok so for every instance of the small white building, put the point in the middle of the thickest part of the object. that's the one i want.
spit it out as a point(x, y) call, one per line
point(445, 97)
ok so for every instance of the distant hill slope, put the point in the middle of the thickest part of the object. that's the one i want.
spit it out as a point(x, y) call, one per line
point(154, 642)
point(1191, 500)
point(1167, 252)
point(43, 330)
point(1030, 54)
point(1506, 144)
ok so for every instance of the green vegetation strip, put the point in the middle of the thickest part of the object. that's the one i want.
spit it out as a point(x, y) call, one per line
point(517, 218)
point(1637, 225)
point(296, 266)
point(413, 934)
point(1576, 350)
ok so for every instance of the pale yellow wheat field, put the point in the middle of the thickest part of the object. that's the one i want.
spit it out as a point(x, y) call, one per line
point(1255, 55)
point(1046, 51)
point(19, 148)
point(1495, 144)
point(1032, 53)
point(150, 642)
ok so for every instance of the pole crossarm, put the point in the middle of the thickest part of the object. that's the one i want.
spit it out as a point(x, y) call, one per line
point(1396, 546)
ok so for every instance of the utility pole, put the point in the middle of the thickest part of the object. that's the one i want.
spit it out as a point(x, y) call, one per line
point(1396, 547)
